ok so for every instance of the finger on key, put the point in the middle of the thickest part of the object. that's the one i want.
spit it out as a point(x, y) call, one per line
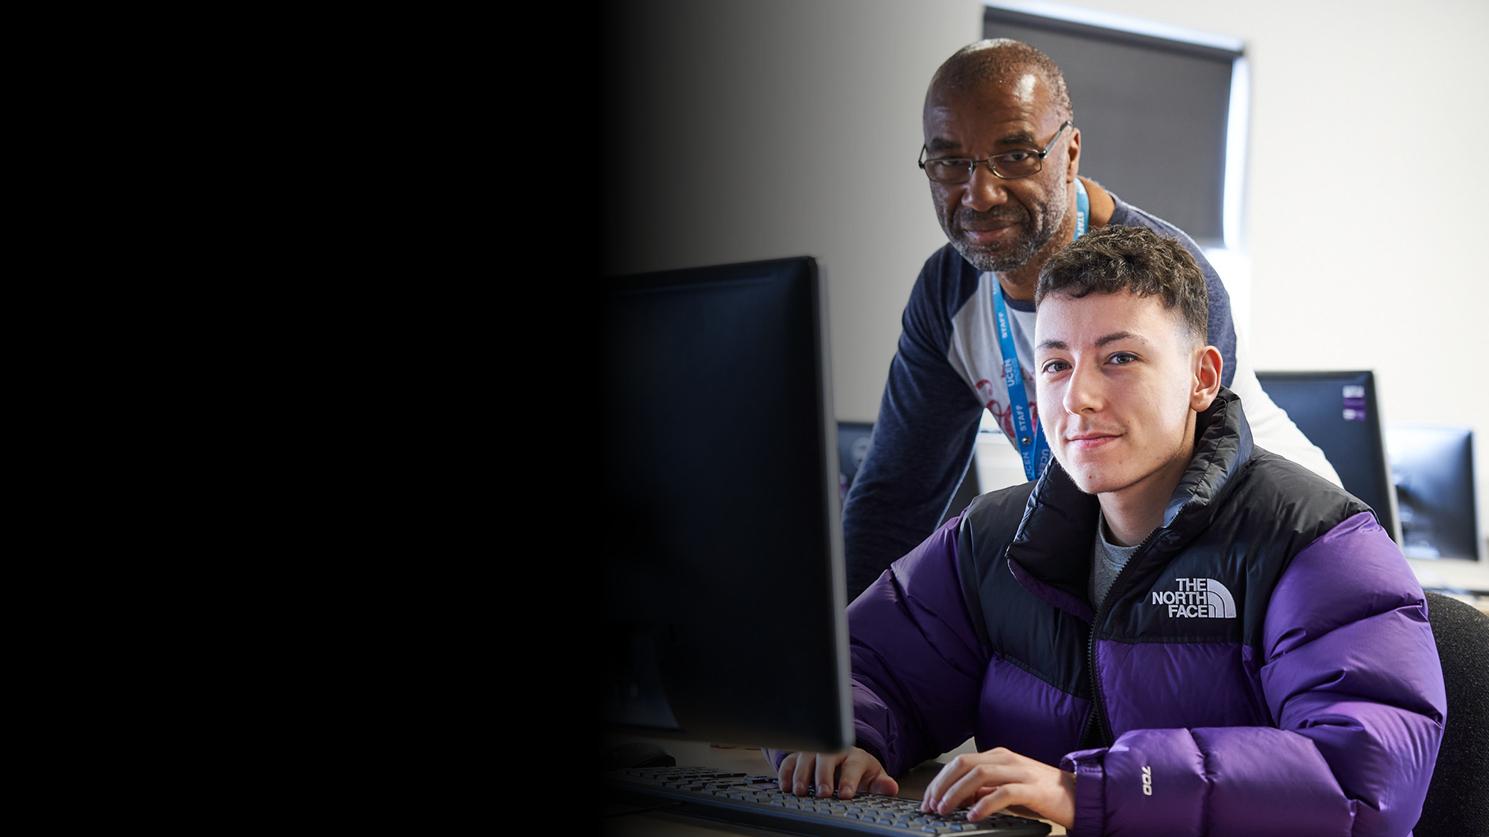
point(787, 770)
point(827, 768)
point(806, 768)
point(851, 777)
point(943, 781)
point(968, 789)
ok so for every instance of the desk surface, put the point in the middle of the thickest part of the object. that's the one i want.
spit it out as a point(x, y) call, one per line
point(1454, 575)
point(744, 760)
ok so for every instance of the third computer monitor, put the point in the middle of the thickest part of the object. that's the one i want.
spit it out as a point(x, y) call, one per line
point(1432, 466)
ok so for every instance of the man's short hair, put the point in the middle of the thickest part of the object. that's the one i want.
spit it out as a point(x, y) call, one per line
point(998, 60)
point(1113, 259)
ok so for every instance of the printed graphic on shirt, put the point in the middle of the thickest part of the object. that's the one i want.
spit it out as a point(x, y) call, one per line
point(1001, 413)
point(978, 359)
point(1196, 598)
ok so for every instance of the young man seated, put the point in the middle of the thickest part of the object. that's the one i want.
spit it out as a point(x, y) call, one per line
point(1172, 631)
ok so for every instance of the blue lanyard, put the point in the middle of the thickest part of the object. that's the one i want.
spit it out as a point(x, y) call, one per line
point(1028, 436)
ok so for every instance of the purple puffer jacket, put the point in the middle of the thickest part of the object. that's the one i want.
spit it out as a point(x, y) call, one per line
point(1264, 662)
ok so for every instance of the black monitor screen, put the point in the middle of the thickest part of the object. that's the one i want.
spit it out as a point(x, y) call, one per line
point(1339, 412)
point(725, 614)
point(1433, 470)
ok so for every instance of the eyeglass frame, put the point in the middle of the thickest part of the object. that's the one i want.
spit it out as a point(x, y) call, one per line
point(974, 162)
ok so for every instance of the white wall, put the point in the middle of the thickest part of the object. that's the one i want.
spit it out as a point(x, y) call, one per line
point(762, 129)
point(783, 127)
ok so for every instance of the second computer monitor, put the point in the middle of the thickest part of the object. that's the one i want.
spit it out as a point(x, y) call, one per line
point(1340, 412)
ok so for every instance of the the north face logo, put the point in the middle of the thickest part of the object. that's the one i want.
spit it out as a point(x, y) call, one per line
point(1197, 598)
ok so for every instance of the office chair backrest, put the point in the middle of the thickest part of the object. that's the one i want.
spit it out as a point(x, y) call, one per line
point(1458, 798)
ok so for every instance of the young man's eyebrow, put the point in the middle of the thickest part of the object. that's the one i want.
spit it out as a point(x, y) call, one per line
point(1061, 346)
point(1118, 335)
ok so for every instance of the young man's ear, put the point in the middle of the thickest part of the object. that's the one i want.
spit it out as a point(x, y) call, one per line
point(1207, 366)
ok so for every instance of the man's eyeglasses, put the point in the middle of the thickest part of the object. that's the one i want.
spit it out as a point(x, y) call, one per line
point(1008, 165)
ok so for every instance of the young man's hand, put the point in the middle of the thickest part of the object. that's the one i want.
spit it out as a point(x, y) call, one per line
point(1001, 779)
point(848, 772)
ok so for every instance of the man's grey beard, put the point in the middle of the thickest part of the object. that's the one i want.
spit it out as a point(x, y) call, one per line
point(1000, 261)
point(1015, 258)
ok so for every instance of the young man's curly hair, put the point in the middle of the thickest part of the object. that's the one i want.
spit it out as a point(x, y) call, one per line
point(1112, 259)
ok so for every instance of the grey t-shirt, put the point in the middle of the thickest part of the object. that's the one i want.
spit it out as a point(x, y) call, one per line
point(1107, 559)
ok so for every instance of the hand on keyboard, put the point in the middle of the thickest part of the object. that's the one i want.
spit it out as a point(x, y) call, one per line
point(1000, 779)
point(759, 800)
point(847, 773)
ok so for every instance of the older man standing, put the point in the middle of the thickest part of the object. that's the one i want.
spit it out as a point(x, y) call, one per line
point(1002, 156)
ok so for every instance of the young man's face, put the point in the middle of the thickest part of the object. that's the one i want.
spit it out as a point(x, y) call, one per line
point(1120, 381)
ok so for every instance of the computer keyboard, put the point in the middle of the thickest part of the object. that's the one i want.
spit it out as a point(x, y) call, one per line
point(758, 800)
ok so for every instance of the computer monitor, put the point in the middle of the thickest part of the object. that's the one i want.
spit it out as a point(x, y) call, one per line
point(854, 438)
point(725, 614)
point(1339, 412)
point(1432, 467)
